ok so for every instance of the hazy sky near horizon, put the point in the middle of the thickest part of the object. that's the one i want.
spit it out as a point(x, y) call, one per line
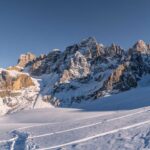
point(41, 25)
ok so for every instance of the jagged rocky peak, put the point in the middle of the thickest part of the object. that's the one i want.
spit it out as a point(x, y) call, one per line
point(78, 67)
point(42, 56)
point(90, 48)
point(140, 46)
point(25, 59)
point(89, 42)
point(114, 50)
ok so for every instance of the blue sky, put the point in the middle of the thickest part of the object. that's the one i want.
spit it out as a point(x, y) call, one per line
point(41, 25)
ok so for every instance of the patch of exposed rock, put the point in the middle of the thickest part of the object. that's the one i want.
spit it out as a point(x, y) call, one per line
point(11, 82)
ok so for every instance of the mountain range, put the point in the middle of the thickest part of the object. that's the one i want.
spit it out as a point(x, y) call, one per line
point(85, 71)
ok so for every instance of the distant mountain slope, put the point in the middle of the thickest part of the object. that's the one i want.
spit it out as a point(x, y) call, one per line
point(84, 71)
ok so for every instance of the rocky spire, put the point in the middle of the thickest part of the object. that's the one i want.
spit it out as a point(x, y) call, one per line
point(89, 42)
point(114, 50)
point(25, 59)
point(140, 46)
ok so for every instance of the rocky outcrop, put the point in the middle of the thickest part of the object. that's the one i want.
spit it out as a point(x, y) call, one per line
point(17, 91)
point(114, 51)
point(78, 68)
point(25, 59)
point(90, 48)
point(14, 82)
point(120, 80)
point(140, 46)
point(115, 79)
point(46, 64)
point(22, 81)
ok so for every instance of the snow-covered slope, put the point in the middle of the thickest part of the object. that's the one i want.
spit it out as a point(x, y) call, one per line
point(121, 121)
point(19, 91)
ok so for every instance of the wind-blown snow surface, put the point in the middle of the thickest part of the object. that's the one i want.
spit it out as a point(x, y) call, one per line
point(118, 122)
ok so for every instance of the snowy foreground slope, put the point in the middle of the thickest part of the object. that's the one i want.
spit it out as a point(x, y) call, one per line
point(118, 122)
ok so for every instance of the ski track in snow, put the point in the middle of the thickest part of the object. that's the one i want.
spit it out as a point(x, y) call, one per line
point(86, 126)
point(14, 140)
point(44, 124)
point(98, 135)
point(53, 123)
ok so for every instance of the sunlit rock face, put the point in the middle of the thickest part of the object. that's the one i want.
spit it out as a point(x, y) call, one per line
point(13, 81)
point(140, 46)
point(17, 91)
point(25, 59)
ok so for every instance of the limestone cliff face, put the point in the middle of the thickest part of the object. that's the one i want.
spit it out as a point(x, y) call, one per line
point(9, 82)
point(22, 81)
